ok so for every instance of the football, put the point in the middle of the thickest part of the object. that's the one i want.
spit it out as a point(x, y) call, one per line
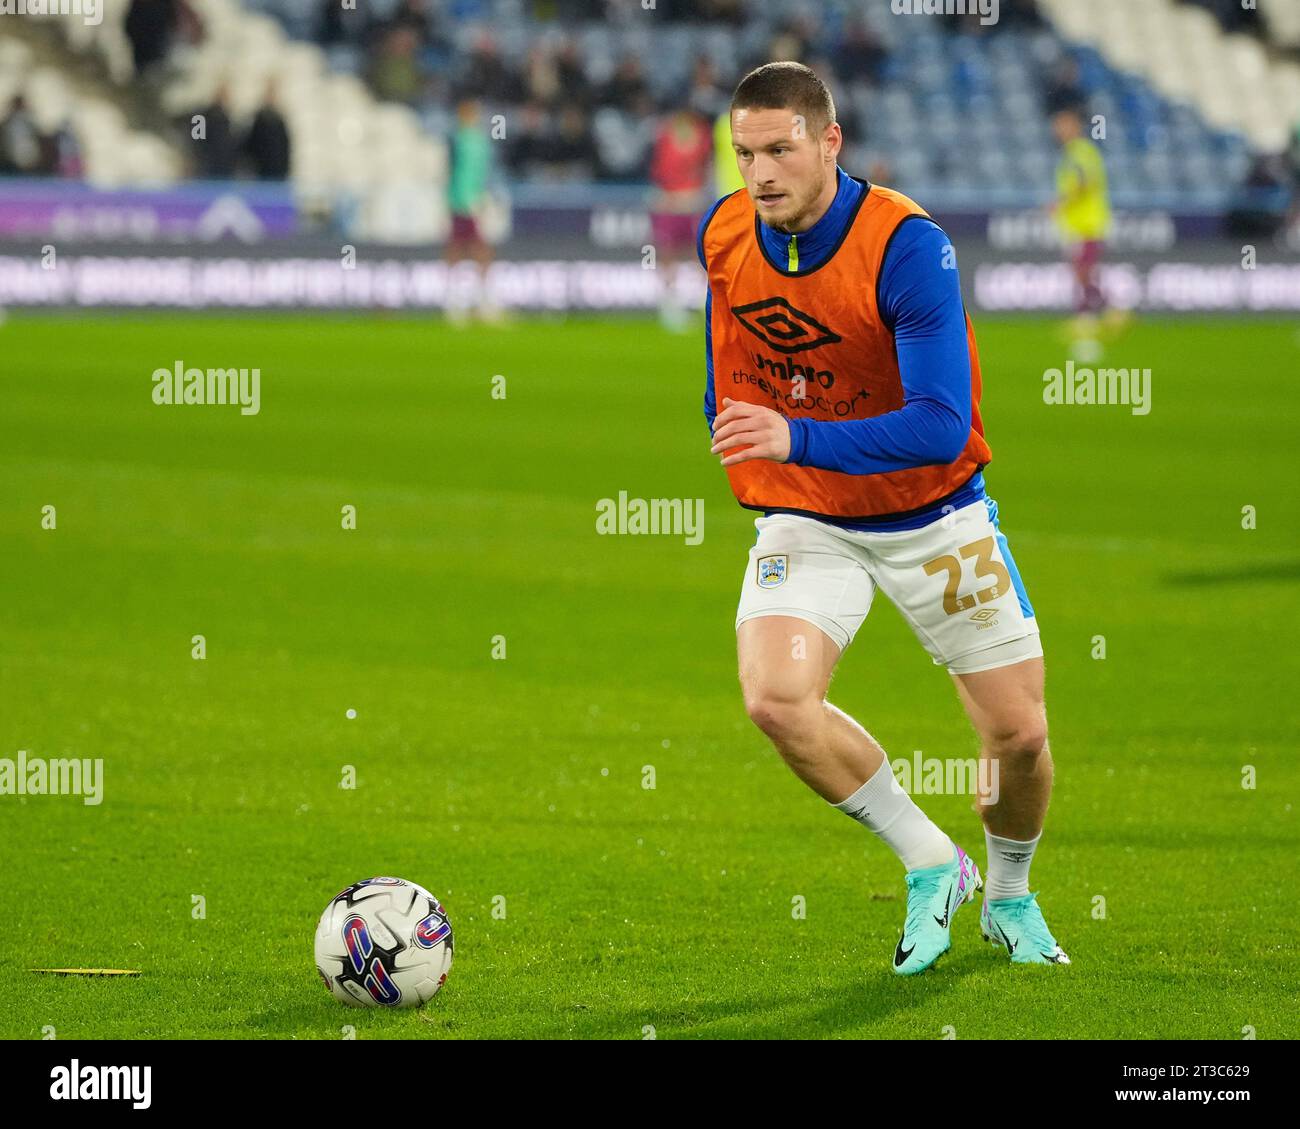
point(384, 942)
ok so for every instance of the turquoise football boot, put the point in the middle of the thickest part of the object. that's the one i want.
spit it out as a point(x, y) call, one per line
point(933, 895)
point(1017, 925)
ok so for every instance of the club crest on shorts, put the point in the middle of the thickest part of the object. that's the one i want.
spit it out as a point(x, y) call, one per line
point(772, 570)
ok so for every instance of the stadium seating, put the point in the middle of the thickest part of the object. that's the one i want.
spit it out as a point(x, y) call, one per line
point(113, 154)
point(956, 117)
point(1185, 55)
point(1281, 20)
point(959, 118)
point(1277, 21)
point(345, 145)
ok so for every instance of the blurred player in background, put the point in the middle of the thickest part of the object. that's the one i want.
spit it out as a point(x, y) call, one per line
point(471, 162)
point(726, 176)
point(845, 379)
point(680, 172)
point(1082, 212)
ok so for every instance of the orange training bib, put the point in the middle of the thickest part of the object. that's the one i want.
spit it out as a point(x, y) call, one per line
point(820, 332)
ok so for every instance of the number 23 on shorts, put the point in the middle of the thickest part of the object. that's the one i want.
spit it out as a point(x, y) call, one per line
point(985, 566)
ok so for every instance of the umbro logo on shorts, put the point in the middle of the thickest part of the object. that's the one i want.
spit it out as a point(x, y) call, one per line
point(772, 570)
point(778, 324)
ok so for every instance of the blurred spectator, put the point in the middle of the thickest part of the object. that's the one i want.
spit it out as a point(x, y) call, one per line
point(152, 25)
point(623, 141)
point(787, 45)
point(149, 26)
point(414, 15)
point(1262, 202)
point(337, 24)
point(395, 72)
point(541, 76)
point(848, 117)
point(552, 148)
point(573, 75)
point(859, 55)
point(22, 148)
point(573, 154)
point(216, 150)
point(26, 151)
point(267, 143)
point(626, 86)
point(485, 75)
point(792, 40)
point(529, 141)
point(66, 152)
point(706, 97)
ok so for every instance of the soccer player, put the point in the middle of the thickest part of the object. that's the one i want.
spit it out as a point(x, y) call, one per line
point(845, 379)
point(679, 174)
point(1083, 216)
point(466, 190)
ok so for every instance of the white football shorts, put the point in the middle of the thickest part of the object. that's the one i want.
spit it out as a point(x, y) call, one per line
point(954, 581)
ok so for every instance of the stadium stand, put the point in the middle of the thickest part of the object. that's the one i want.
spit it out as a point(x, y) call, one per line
point(946, 109)
point(1182, 51)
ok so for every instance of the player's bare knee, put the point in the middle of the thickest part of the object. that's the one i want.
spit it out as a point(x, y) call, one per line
point(1022, 741)
point(781, 716)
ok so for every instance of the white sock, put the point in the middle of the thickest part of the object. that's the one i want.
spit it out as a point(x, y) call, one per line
point(881, 806)
point(1007, 875)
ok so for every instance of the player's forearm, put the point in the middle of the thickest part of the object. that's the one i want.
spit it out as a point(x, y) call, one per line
point(922, 433)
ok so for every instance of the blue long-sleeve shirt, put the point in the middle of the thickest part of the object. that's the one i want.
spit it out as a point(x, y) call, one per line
point(919, 297)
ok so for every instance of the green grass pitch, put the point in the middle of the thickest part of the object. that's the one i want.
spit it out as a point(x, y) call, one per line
point(521, 778)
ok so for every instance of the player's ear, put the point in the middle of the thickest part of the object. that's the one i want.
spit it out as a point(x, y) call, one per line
point(832, 141)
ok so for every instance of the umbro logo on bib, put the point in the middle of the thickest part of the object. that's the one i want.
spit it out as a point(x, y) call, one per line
point(778, 324)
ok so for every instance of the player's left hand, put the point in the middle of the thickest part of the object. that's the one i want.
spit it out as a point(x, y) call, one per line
point(766, 432)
